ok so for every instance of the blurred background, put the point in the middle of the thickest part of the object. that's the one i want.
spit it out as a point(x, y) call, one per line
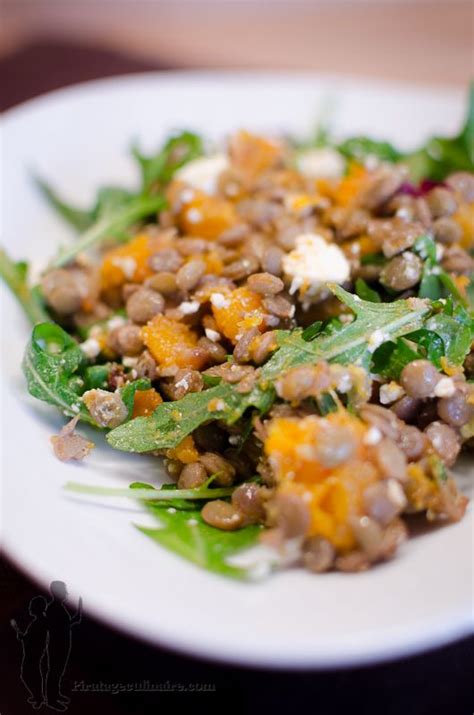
point(49, 43)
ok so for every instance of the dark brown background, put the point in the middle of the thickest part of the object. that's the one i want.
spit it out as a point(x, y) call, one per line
point(437, 683)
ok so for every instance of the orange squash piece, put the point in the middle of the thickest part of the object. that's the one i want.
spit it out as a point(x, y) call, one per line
point(145, 402)
point(236, 311)
point(172, 343)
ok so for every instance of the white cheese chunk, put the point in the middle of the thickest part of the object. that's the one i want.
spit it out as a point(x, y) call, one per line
point(90, 348)
point(204, 172)
point(314, 262)
point(321, 163)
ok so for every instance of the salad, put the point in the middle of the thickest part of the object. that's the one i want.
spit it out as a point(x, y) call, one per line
point(287, 326)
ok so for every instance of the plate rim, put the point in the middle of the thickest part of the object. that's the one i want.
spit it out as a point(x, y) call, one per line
point(418, 641)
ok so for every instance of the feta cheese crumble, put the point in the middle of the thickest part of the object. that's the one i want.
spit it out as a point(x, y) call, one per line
point(90, 348)
point(314, 262)
point(188, 307)
point(204, 172)
point(445, 387)
point(218, 300)
point(212, 334)
point(321, 163)
point(127, 265)
point(391, 392)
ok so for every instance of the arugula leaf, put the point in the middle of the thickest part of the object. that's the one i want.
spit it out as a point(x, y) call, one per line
point(188, 535)
point(50, 364)
point(457, 333)
point(177, 151)
point(112, 222)
point(147, 492)
point(312, 331)
point(79, 219)
point(435, 282)
point(390, 358)
point(434, 160)
point(173, 421)
point(15, 276)
point(359, 148)
point(365, 292)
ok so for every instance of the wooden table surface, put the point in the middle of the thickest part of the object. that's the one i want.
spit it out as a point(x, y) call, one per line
point(436, 683)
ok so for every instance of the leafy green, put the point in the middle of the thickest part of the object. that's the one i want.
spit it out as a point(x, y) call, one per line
point(112, 222)
point(188, 535)
point(15, 276)
point(456, 331)
point(172, 421)
point(435, 282)
point(182, 528)
point(390, 359)
point(51, 363)
point(434, 160)
point(359, 148)
point(312, 331)
point(177, 151)
point(365, 292)
point(146, 492)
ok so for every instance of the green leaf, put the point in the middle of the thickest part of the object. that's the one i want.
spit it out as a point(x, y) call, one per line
point(457, 336)
point(390, 359)
point(50, 364)
point(147, 492)
point(359, 148)
point(365, 292)
point(173, 421)
point(79, 219)
point(431, 343)
point(177, 151)
point(113, 222)
point(15, 276)
point(312, 331)
point(187, 534)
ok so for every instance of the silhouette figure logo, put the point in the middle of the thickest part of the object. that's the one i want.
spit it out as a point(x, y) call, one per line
point(46, 643)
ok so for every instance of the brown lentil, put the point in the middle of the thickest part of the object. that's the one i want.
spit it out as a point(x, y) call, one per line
point(419, 378)
point(192, 476)
point(463, 184)
point(444, 441)
point(402, 272)
point(241, 268)
point(384, 501)
point(168, 259)
point(279, 306)
point(190, 274)
point(164, 283)
point(445, 230)
point(272, 260)
point(318, 554)
point(265, 284)
point(242, 348)
point(144, 304)
point(216, 465)
point(455, 410)
point(290, 513)
point(61, 291)
point(263, 346)
point(222, 515)
point(441, 202)
point(249, 498)
point(126, 340)
point(390, 459)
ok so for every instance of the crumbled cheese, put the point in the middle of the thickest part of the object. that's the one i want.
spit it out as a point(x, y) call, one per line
point(187, 307)
point(171, 510)
point(396, 493)
point(192, 522)
point(194, 215)
point(272, 320)
point(445, 387)
point(212, 334)
point(439, 251)
point(321, 163)
point(127, 265)
point(75, 408)
point(90, 348)
point(218, 300)
point(314, 262)
point(391, 392)
point(234, 439)
point(204, 172)
point(116, 322)
point(129, 361)
point(372, 436)
point(182, 383)
point(376, 339)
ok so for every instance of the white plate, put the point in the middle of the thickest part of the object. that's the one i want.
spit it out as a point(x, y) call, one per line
point(78, 139)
